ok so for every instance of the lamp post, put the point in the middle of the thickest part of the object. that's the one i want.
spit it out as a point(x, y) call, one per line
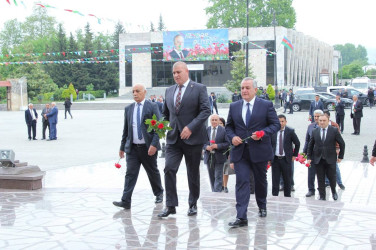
point(246, 46)
point(276, 97)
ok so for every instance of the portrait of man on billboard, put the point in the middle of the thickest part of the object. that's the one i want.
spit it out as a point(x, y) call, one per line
point(179, 52)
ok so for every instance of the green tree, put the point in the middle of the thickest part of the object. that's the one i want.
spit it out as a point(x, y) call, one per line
point(161, 25)
point(233, 13)
point(270, 91)
point(350, 53)
point(119, 29)
point(39, 24)
point(237, 71)
point(10, 36)
point(70, 91)
point(371, 73)
point(152, 29)
point(352, 70)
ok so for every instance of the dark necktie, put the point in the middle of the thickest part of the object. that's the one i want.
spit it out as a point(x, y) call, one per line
point(178, 99)
point(139, 132)
point(181, 55)
point(280, 143)
point(248, 115)
point(323, 135)
point(213, 134)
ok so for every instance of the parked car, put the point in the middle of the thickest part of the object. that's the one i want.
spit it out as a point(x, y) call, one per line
point(303, 101)
point(304, 91)
point(351, 91)
point(347, 101)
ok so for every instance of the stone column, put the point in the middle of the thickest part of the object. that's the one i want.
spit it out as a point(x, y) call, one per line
point(19, 97)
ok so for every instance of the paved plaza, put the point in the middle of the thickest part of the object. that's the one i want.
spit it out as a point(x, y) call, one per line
point(74, 209)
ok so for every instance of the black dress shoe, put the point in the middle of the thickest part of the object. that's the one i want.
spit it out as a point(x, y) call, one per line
point(238, 223)
point(192, 210)
point(335, 196)
point(122, 204)
point(310, 193)
point(322, 198)
point(353, 133)
point(292, 189)
point(341, 186)
point(225, 190)
point(34, 139)
point(167, 211)
point(262, 212)
point(159, 198)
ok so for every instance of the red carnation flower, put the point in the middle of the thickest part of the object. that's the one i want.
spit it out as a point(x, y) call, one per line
point(260, 133)
point(267, 167)
point(117, 165)
point(307, 165)
point(153, 122)
point(212, 141)
point(160, 126)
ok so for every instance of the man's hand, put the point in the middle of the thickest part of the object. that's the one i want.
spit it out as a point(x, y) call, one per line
point(232, 165)
point(293, 158)
point(339, 160)
point(208, 148)
point(186, 133)
point(254, 137)
point(309, 162)
point(214, 146)
point(121, 154)
point(152, 150)
point(236, 140)
point(372, 160)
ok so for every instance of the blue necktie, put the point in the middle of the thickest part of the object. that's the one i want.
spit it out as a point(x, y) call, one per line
point(139, 132)
point(248, 115)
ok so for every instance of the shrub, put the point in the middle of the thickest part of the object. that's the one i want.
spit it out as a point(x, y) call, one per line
point(270, 91)
point(96, 93)
point(222, 98)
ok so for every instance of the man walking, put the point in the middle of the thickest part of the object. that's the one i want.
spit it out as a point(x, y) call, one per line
point(67, 105)
point(31, 118)
point(323, 147)
point(52, 119)
point(316, 104)
point(213, 103)
point(45, 121)
point(187, 108)
point(356, 114)
point(140, 147)
point(371, 97)
point(245, 118)
point(340, 113)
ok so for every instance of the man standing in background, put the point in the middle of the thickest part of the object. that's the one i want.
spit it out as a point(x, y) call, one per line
point(45, 122)
point(52, 119)
point(31, 118)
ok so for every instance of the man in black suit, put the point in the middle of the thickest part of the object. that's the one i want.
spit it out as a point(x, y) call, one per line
point(187, 108)
point(291, 99)
point(340, 113)
point(45, 121)
point(371, 97)
point(356, 114)
point(316, 104)
point(322, 148)
point(179, 52)
point(284, 155)
point(213, 103)
point(216, 144)
point(236, 96)
point(140, 147)
point(31, 118)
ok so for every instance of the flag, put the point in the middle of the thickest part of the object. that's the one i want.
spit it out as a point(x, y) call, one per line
point(286, 42)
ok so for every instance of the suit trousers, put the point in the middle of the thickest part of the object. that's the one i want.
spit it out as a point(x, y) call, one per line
point(53, 132)
point(45, 125)
point(282, 184)
point(215, 171)
point(32, 127)
point(323, 168)
point(340, 120)
point(137, 156)
point(174, 155)
point(281, 166)
point(356, 125)
point(311, 177)
point(243, 169)
point(338, 176)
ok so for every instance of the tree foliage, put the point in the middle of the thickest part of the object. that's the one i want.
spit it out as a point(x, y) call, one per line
point(237, 71)
point(352, 70)
point(233, 13)
point(350, 53)
point(161, 25)
point(270, 91)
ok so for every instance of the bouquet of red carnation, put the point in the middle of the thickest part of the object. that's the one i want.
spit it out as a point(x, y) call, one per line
point(259, 134)
point(301, 158)
point(159, 126)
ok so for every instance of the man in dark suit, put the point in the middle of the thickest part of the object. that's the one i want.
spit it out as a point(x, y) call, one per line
point(356, 114)
point(213, 103)
point(187, 108)
point(235, 97)
point(373, 157)
point(52, 119)
point(45, 122)
point(316, 104)
point(160, 104)
point(31, 118)
point(322, 152)
point(140, 147)
point(245, 118)
point(216, 144)
point(284, 154)
point(179, 52)
point(291, 99)
point(340, 113)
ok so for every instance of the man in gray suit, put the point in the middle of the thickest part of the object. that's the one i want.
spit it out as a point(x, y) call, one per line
point(187, 108)
point(45, 122)
point(140, 147)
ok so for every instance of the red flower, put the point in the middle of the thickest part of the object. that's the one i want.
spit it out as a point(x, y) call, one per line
point(260, 133)
point(267, 167)
point(160, 126)
point(307, 165)
point(212, 141)
point(117, 165)
point(153, 122)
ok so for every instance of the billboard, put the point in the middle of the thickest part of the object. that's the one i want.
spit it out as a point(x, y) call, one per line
point(195, 45)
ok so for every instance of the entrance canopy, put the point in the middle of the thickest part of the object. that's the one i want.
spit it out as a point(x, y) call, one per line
point(5, 84)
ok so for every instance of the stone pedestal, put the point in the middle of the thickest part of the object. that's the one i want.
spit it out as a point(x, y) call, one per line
point(22, 176)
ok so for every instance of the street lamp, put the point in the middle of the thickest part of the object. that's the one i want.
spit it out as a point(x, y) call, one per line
point(276, 97)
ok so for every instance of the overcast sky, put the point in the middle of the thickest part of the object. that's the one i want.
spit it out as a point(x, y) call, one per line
point(331, 21)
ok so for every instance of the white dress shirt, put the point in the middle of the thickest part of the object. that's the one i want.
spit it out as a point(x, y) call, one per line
point(134, 123)
point(322, 132)
point(245, 107)
point(278, 143)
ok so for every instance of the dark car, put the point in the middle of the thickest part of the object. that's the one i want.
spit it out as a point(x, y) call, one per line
point(303, 102)
point(347, 101)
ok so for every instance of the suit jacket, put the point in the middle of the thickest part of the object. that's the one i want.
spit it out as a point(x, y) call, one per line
point(151, 138)
point(374, 150)
point(317, 148)
point(44, 111)
point(358, 110)
point(214, 101)
point(289, 138)
point(264, 118)
point(160, 106)
point(193, 112)
point(28, 117)
point(340, 108)
point(313, 107)
point(52, 116)
point(175, 55)
point(222, 142)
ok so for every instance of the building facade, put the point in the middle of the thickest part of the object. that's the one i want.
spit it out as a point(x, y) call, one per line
point(309, 63)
